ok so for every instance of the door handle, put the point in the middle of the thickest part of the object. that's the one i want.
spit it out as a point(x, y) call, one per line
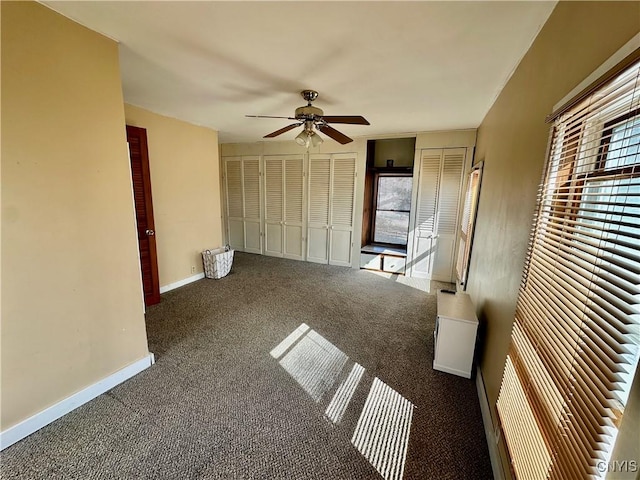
point(150, 232)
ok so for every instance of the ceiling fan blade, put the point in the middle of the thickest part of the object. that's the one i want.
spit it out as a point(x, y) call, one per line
point(350, 119)
point(282, 130)
point(335, 134)
point(269, 116)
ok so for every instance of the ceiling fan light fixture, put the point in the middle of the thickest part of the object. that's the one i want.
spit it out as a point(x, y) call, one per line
point(315, 139)
point(313, 117)
point(302, 139)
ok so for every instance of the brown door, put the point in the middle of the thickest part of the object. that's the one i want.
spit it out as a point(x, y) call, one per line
point(139, 154)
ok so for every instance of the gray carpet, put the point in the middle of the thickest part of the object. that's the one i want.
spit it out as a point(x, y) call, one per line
point(218, 405)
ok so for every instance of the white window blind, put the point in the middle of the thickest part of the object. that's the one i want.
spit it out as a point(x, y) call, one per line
point(576, 334)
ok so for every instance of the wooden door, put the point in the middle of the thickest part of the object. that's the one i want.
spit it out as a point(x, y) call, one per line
point(141, 179)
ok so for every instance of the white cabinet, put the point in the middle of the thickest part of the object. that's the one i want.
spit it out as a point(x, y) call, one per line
point(455, 334)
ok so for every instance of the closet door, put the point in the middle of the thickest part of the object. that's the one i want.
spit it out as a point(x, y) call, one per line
point(251, 188)
point(235, 202)
point(318, 217)
point(294, 207)
point(341, 209)
point(283, 206)
point(427, 171)
point(242, 177)
point(273, 206)
point(451, 180)
point(436, 214)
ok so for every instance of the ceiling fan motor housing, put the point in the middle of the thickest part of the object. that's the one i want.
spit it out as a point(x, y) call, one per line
point(308, 112)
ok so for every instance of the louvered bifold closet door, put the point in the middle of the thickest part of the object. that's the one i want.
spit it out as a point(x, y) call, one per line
point(252, 204)
point(427, 171)
point(343, 177)
point(235, 203)
point(283, 206)
point(575, 342)
point(318, 216)
point(449, 193)
point(274, 206)
point(294, 207)
point(242, 185)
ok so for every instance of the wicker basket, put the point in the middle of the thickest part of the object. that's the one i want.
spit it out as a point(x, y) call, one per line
point(217, 262)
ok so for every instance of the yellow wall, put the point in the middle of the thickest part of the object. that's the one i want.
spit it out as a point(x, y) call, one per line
point(184, 165)
point(512, 140)
point(72, 309)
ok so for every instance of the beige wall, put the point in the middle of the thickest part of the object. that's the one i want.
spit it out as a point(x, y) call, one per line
point(512, 141)
point(183, 159)
point(72, 309)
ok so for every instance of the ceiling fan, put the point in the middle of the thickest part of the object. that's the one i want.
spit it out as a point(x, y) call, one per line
point(313, 118)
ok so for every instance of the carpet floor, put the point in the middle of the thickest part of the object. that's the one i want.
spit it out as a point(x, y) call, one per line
point(281, 370)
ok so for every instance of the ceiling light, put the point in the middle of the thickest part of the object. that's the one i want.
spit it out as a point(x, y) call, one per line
point(315, 139)
point(303, 139)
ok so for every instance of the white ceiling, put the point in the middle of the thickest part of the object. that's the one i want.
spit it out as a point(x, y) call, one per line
point(405, 66)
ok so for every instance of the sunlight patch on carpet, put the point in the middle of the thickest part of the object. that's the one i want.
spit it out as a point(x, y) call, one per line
point(382, 432)
point(315, 363)
point(342, 397)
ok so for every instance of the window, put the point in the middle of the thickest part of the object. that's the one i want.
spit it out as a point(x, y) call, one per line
point(392, 207)
point(576, 334)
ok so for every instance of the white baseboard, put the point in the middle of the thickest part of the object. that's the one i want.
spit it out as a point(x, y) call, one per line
point(181, 283)
point(494, 454)
point(453, 371)
point(36, 422)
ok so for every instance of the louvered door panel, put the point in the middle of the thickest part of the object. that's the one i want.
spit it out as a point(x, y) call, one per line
point(318, 217)
point(449, 193)
point(341, 211)
point(235, 205)
point(251, 189)
point(293, 207)
point(428, 175)
point(273, 205)
point(234, 188)
point(251, 181)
